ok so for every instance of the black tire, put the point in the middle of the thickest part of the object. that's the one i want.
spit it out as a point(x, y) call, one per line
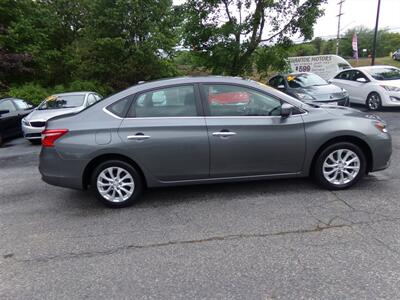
point(373, 102)
point(36, 142)
point(331, 149)
point(137, 188)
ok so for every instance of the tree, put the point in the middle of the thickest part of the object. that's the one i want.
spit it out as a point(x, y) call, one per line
point(224, 34)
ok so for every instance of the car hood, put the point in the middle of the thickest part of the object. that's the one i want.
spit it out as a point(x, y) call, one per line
point(348, 112)
point(328, 92)
point(44, 115)
point(395, 82)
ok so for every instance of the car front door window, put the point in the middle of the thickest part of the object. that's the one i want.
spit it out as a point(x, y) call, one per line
point(228, 100)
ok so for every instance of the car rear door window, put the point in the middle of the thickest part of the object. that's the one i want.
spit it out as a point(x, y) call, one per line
point(230, 100)
point(178, 101)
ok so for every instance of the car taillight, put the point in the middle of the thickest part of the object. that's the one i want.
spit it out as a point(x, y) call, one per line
point(49, 136)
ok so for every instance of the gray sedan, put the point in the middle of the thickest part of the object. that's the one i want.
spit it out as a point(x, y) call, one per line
point(309, 87)
point(208, 130)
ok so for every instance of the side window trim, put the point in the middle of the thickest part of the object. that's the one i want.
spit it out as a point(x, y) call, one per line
point(198, 104)
point(125, 111)
point(207, 106)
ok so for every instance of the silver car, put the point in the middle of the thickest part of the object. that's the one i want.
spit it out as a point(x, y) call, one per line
point(207, 130)
point(55, 105)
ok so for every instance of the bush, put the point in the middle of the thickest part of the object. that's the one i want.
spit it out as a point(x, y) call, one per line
point(30, 91)
point(36, 93)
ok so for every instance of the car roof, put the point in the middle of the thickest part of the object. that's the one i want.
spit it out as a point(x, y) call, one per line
point(372, 67)
point(73, 93)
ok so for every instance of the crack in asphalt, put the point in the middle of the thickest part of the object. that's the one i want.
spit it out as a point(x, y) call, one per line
point(232, 237)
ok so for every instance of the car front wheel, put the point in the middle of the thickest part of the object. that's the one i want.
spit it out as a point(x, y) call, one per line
point(116, 183)
point(340, 166)
point(374, 101)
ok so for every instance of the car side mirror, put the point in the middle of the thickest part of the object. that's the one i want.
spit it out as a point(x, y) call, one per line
point(280, 87)
point(3, 112)
point(286, 110)
point(361, 79)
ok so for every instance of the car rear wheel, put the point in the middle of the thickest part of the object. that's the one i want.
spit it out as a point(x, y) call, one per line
point(374, 101)
point(340, 166)
point(116, 183)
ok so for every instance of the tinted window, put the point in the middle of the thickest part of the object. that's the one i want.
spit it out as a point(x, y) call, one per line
point(228, 100)
point(344, 75)
point(119, 108)
point(7, 105)
point(277, 81)
point(62, 101)
point(168, 102)
point(357, 74)
point(22, 104)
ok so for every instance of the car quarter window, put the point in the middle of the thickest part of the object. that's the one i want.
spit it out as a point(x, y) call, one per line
point(177, 101)
point(277, 81)
point(7, 105)
point(231, 100)
point(358, 74)
point(120, 107)
point(91, 99)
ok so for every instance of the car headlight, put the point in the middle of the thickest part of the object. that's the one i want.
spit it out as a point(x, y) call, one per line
point(304, 96)
point(390, 88)
point(25, 122)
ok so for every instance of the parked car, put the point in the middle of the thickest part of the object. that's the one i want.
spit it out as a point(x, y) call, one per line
point(309, 87)
point(55, 105)
point(12, 110)
point(396, 54)
point(124, 143)
point(374, 86)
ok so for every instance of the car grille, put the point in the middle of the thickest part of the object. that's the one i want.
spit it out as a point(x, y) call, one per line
point(33, 135)
point(38, 124)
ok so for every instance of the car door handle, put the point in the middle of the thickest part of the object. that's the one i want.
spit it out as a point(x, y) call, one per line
point(138, 137)
point(224, 133)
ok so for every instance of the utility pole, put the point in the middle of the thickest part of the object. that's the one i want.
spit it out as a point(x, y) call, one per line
point(340, 3)
point(375, 33)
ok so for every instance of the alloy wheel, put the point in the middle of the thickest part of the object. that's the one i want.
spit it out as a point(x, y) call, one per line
point(373, 102)
point(115, 184)
point(341, 166)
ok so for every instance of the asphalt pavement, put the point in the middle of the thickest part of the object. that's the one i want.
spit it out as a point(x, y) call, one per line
point(281, 239)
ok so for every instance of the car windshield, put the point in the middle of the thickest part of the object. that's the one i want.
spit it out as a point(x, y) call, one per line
point(304, 80)
point(384, 73)
point(63, 101)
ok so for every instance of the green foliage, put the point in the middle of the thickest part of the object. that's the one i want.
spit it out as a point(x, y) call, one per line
point(113, 43)
point(224, 34)
point(30, 91)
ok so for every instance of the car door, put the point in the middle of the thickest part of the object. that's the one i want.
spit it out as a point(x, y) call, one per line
point(247, 134)
point(10, 121)
point(359, 90)
point(165, 133)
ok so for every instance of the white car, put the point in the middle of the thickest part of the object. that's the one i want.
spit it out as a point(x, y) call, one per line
point(374, 86)
point(55, 105)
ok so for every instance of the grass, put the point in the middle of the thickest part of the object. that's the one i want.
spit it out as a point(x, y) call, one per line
point(378, 61)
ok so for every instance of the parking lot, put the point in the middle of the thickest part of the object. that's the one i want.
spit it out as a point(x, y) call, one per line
point(256, 240)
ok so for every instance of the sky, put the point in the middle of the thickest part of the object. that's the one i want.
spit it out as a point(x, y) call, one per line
point(355, 13)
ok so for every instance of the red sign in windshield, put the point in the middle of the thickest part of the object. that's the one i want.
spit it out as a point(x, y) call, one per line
point(229, 98)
